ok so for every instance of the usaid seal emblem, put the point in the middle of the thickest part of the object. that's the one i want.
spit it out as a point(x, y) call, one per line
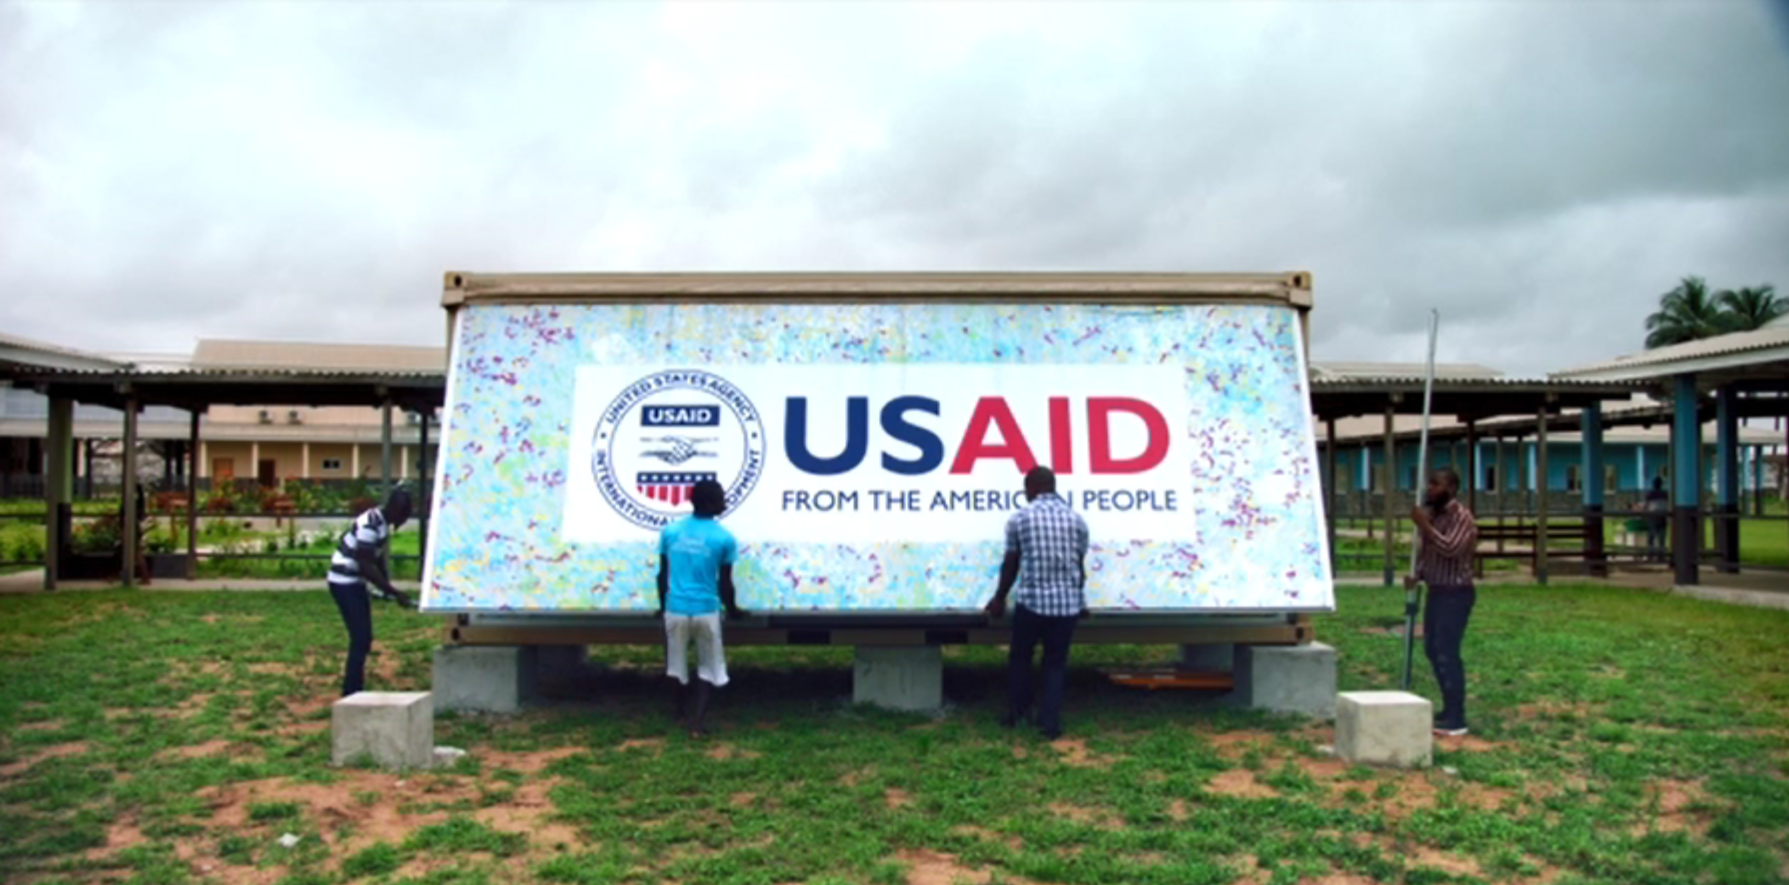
point(668, 431)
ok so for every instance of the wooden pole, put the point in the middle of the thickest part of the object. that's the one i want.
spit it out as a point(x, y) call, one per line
point(385, 464)
point(192, 499)
point(1391, 487)
point(1540, 495)
point(58, 488)
point(1472, 484)
point(129, 528)
point(424, 485)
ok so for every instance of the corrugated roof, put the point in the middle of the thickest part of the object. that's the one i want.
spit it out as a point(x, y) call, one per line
point(54, 355)
point(1773, 335)
point(214, 353)
point(1348, 369)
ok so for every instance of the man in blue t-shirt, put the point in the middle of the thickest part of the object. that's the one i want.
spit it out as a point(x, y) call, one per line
point(695, 581)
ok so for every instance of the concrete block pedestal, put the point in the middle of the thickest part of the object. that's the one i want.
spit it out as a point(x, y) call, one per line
point(909, 678)
point(1385, 728)
point(1287, 678)
point(486, 678)
point(394, 729)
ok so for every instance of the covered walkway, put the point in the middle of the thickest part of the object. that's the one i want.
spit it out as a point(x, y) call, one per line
point(1736, 376)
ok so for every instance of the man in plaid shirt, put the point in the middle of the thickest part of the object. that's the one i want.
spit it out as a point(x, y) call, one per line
point(1046, 554)
point(1448, 539)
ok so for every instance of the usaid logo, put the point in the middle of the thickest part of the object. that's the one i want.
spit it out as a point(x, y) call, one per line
point(668, 431)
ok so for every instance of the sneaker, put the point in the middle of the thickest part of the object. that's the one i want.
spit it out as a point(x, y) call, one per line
point(1452, 731)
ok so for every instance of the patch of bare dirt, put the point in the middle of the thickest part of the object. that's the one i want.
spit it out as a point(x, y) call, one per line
point(1323, 769)
point(1468, 743)
point(1149, 859)
point(853, 778)
point(54, 751)
point(742, 800)
point(526, 761)
point(122, 834)
point(987, 835)
point(278, 668)
point(1415, 793)
point(653, 744)
point(1677, 803)
point(1236, 744)
point(1396, 630)
point(1179, 810)
point(1452, 864)
point(45, 725)
point(1074, 752)
point(896, 798)
point(1337, 879)
point(332, 805)
point(529, 812)
point(199, 751)
point(726, 752)
point(1240, 782)
point(1093, 817)
point(928, 867)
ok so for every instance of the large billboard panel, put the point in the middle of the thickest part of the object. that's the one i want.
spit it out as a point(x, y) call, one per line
point(872, 453)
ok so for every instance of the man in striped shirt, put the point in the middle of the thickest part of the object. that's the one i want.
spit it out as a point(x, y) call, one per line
point(1447, 539)
point(359, 560)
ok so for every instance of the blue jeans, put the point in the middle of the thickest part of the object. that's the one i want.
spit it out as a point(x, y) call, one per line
point(1444, 631)
point(1055, 633)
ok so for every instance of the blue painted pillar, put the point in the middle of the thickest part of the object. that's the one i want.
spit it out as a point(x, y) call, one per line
point(1686, 475)
point(1591, 427)
point(1726, 434)
point(1757, 480)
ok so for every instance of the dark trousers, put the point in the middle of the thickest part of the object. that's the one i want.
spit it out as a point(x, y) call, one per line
point(1444, 629)
point(357, 615)
point(1030, 628)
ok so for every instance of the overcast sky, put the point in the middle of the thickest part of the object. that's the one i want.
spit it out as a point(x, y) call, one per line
point(1539, 171)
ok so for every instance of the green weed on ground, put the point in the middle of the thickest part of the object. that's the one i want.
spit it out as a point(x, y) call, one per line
point(1619, 737)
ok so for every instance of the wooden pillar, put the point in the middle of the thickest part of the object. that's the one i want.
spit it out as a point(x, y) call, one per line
point(1391, 487)
point(304, 469)
point(254, 463)
point(129, 457)
point(1727, 503)
point(1329, 491)
point(385, 449)
point(1540, 495)
point(1472, 481)
point(1686, 481)
point(194, 448)
point(385, 484)
point(354, 460)
point(1590, 427)
point(57, 488)
point(424, 486)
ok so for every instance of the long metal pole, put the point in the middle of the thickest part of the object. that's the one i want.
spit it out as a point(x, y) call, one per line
point(1413, 595)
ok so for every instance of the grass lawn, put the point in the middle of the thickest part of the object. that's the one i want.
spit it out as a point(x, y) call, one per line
point(1619, 737)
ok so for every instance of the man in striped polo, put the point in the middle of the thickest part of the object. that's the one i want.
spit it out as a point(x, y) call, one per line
point(359, 560)
point(1448, 537)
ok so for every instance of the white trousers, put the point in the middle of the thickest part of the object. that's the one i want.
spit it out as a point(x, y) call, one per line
point(705, 631)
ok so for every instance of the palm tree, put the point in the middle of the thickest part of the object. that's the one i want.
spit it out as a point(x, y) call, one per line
point(1686, 313)
point(1750, 308)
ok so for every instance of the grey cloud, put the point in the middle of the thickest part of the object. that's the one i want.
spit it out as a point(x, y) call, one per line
point(308, 170)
